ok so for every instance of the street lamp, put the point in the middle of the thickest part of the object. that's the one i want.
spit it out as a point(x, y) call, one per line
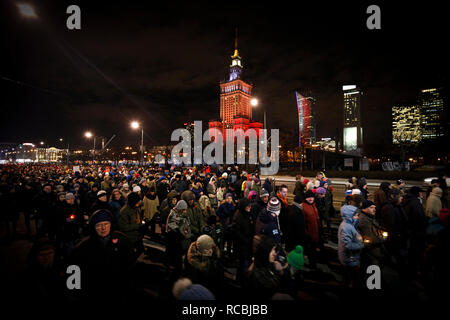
point(26, 10)
point(89, 135)
point(254, 102)
point(136, 125)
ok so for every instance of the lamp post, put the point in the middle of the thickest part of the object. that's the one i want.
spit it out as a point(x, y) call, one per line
point(136, 125)
point(254, 102)
point(89, 135)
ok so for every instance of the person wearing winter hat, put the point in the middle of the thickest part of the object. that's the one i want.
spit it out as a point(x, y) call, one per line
point(395, 221)
point(434, 203)
point(416, 225)
point(125, 190)
point(137, 189)
point(295, 233)
point(194, 213)
point(101, 202)
point(130, 223)
point(105, 258)
point(266, 272)
point(350, 244)
point(312, 224)
point(252, 195)
point(372, 234)
point(179, 234)
point(203, 263)
point(321, 191)
point(295, 258)
point(183, 289)
point(267, 222)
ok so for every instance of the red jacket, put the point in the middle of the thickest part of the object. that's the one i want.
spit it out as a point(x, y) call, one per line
point(311, 215)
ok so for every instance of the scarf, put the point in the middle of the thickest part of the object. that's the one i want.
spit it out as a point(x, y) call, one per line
point(284, 200)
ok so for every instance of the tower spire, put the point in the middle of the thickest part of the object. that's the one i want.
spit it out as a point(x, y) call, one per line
point(236, 53)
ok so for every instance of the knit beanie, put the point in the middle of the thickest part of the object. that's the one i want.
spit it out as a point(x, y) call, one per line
point(69, 196)
point(181, 205)
point(133, 199)
point(197, 292)
point(252, 195)
point(101, 193)
point(309, 194)
point(366, 204)
point(321, 190)
point(295, 258)
point(205, 242)
point(100, 216)
point(264, 193)
point(274, 206)
point(415, 191)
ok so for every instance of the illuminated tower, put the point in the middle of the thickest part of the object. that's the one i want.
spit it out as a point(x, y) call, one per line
point(353, 132)
point(235, 96)
point(306, 118)
point(431, 104)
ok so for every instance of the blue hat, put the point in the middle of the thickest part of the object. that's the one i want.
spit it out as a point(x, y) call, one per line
point(197, 292)
point(100, 216)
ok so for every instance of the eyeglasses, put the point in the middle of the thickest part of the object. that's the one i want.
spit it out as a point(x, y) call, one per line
point(102, 225)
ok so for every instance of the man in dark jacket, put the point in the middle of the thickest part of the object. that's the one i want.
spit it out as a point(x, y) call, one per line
point(381, 197)
point(105, 259)
point(295, 233)
point(244, 231)
point(260, 204)
point(373, 236)
point(45, 210)
point(129, 222)
point(394, 220)
point(417, 223)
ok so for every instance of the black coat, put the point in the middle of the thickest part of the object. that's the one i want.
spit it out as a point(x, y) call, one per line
point(105, 267)
point(244, 231)
point(417, 221)
point(295, 232)
point(394, 220)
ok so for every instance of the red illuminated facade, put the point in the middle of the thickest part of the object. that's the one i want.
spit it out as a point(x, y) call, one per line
point(235, 107)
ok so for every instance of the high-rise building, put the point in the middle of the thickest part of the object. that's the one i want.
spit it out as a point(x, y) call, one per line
point(235, 96)
point(353, 132)
point(306, 119)
point(406, 127)
point(431, 103)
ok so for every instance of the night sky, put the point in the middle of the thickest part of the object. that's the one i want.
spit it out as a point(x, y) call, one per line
point(162, 62)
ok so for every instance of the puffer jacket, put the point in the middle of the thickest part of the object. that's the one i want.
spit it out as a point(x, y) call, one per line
point(349, 240)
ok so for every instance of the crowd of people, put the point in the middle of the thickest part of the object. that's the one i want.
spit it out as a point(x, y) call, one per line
point(99, 217)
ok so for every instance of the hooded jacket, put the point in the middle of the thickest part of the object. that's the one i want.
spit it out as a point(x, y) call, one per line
point(129, 219)
point(194, 213)
point(349, 240)
point(434, 203)
point(244, 230)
